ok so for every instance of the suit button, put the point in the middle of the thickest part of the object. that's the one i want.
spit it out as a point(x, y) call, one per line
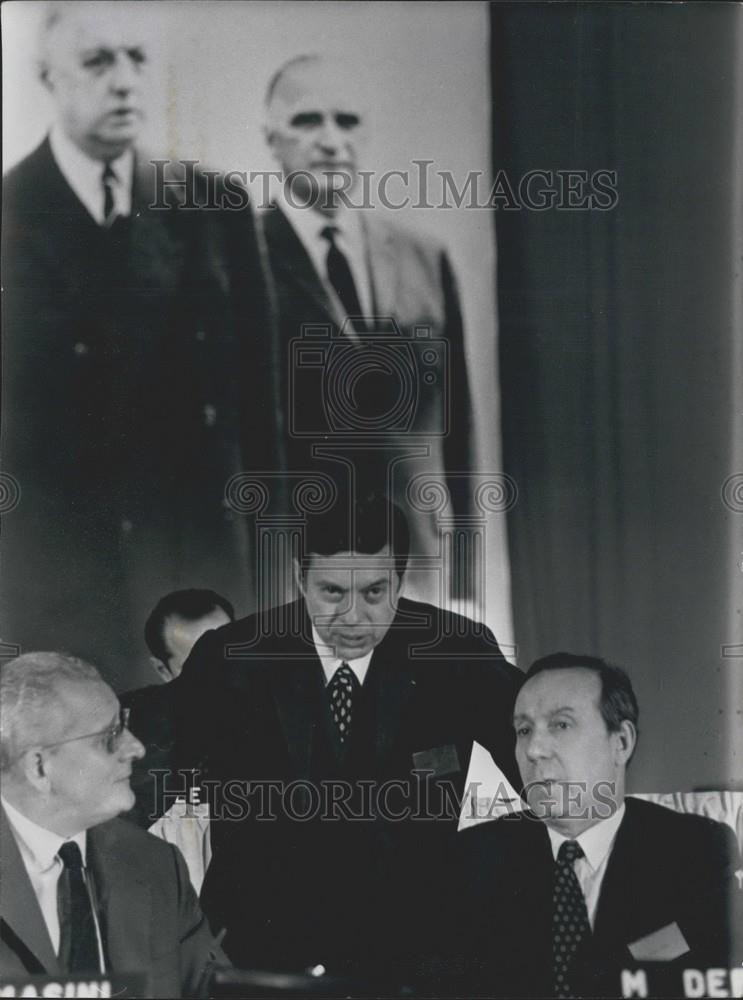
point(80, 348)
point(126, 525)
point(210, 415)
point(201, 334)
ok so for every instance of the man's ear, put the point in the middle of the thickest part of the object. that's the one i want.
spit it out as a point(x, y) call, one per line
point(298, 575)
point(626, 741)
point(160, 669)
point(35, 765)
point(42, 70)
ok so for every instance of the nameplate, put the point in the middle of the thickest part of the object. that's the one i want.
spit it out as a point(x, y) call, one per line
point(119, 985)
point(659, 979)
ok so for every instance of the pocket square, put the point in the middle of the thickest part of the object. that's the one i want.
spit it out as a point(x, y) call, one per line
point(662, 945)
point(440, 760)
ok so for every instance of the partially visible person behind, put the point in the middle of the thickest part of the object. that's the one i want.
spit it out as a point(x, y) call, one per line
point(171, 630)
point(555, 901)
point(177, 621)
point(82, 891)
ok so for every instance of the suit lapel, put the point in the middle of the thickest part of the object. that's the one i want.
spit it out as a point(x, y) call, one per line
point(391, 685)
point(619, 909)
point(383, 267)
point(19, 907)
point(290, 260)
point(123, 898)
point(296, 685)
point(157, 255)
point(56, 199)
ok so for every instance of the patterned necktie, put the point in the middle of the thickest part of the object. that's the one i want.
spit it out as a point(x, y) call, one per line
point(78, 942)
point(342, 691)
point(108, 180)
point(341, 278)
point(570, 925)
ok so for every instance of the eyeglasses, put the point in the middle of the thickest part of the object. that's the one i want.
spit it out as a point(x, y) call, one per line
point(113, 734)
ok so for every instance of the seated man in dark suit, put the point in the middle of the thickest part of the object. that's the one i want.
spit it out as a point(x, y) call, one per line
point(174, 625)
point(82, 891)
point(337, 730)
point(557, 900)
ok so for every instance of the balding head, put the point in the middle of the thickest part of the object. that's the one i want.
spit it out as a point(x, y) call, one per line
point(93, 61)
point(316, 112)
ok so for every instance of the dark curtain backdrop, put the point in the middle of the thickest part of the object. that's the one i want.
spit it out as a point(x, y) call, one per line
point(617, 344)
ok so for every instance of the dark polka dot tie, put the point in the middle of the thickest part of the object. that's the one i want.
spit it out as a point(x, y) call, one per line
point(341, 692)
point(570, 925)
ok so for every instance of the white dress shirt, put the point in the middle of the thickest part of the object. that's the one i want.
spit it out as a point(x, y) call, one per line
point(330, 661)
point(349, 238)
point(39, 849)
point(85, 175)
point(597, 843)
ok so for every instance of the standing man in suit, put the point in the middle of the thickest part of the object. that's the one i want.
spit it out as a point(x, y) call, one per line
point(392, 369)
point(557, 900)
point(82, 891)
point(175, 624)
point(336, 733)
point(121, 358)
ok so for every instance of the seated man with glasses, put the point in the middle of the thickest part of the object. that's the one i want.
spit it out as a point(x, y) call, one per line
point(83, 891)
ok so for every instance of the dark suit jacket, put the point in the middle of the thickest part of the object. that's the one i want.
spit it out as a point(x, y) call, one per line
point(123, 353)
point(413, 284)
point(291, 887)
point(150, 917)
point(664, 868)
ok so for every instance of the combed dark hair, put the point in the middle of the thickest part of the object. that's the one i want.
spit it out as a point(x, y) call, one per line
point(189, 604)
point(365, 527)
point(618, 702)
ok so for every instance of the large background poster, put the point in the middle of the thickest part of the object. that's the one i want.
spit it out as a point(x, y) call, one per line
point(604, 349)
point(426, 81)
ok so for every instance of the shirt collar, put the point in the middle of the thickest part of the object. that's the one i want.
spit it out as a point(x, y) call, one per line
point(85, 175)
point(309, 224)
point(39, 845)
point(330, 662)
point(596, 842)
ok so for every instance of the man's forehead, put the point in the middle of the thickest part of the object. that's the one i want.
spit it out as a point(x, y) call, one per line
point(550, 690)
point(353, 562)
point(82, 29)
point(82, 706)
point(317, 85)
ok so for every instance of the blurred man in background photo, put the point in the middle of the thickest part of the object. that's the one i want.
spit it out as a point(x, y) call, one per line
point(124, 336)
point(389, 373)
